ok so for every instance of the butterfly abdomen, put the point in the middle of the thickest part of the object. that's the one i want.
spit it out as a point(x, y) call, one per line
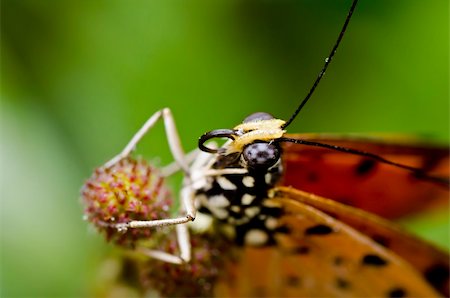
point(237, 202)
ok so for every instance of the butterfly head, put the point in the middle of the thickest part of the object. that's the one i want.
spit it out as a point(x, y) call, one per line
point(253, 142)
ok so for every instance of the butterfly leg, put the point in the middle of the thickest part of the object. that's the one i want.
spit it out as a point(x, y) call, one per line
point(177, 152)
point(172, 137)
point(174, 167)
point(183, 238)
point(187, 198)
point(183, 244)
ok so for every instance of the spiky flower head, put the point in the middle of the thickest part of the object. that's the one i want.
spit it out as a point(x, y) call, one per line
point(129, 190)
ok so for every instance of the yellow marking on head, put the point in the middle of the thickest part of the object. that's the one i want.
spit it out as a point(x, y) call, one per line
point(259, 130)
point(261, 125)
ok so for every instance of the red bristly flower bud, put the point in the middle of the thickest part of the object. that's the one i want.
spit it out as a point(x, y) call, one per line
point(129, 190)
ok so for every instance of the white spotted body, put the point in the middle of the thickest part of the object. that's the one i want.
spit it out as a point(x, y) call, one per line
point(236, 200)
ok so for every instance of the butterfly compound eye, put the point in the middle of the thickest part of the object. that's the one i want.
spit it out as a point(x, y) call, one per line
point(258, 116)
point(261, 155)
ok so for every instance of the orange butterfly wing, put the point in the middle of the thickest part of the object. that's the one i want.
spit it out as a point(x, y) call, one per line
point(360, 182)
point(430, 261)
point(322, 256)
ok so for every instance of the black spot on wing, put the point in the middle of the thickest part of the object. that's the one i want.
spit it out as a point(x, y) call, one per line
point(383, 241)
point(292, 281)
point(283, 230)
point(438, 275)
point(396, 293)
point(318, 230)
point(302, 250)
point(299, 250)
point(342, 283)
point(365, 167)
point(338, 260)
point(312, 177)
point(374, 260)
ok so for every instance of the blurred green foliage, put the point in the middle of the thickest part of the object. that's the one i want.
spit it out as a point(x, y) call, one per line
point(79, 77)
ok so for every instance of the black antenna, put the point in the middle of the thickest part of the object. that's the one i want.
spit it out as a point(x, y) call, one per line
point(325, 66)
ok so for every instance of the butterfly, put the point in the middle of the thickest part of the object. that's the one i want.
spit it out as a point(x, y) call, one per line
point(263, 239)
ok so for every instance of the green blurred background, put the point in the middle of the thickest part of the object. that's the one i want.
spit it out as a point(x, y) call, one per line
point(78, 78)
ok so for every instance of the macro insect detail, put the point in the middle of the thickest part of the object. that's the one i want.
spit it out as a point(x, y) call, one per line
point(238, 200)
point(240, 231)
